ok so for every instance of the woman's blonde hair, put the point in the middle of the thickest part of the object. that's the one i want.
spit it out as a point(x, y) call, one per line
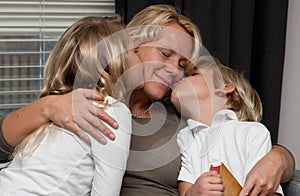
point(83, 57)
point(244, 100)
point(152, 19)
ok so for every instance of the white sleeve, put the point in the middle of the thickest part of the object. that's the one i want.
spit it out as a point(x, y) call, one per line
point(186, 172)
point(4, 165)
point(111, 159)
point(258, 145)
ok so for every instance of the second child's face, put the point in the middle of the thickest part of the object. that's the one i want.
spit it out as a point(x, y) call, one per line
point(193, 95)
point(164, 60)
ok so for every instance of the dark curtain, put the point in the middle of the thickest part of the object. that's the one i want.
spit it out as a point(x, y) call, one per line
point(247, 35)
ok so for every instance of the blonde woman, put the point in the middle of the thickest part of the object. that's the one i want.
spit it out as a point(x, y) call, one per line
point(53, 160)
point(149, 171)
point(223, 126)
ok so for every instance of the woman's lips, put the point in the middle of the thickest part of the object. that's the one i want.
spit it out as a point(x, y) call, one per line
point(159, 79)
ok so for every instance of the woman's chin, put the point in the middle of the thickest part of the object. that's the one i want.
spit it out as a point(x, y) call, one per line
point(156, 91)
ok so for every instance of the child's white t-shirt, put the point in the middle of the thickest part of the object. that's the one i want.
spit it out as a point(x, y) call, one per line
point(239, 145)
point(63, 164)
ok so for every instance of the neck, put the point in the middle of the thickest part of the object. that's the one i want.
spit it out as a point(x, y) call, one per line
point(139, 102)
point(205, 114)
point(209, 110)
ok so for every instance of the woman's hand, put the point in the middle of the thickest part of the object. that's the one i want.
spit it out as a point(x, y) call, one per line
point(264, 178)
point(76, 112)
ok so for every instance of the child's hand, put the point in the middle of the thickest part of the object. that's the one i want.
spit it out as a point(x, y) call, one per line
point(209, 183)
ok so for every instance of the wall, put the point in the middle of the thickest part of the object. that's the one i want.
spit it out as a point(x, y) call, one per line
point(289, 125)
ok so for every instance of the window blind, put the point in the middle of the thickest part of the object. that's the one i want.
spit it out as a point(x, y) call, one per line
point(28, 32)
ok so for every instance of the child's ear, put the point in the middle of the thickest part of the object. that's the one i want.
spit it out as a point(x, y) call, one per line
point(229, 88)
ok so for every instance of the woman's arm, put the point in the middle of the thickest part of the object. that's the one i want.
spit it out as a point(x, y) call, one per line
point(288, 162)
point(72, 111)
point(275, 167)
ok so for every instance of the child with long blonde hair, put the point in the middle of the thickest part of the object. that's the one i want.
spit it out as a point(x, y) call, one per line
point(92, 53)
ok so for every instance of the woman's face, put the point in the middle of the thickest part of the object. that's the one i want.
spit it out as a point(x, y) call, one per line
point(165, 59)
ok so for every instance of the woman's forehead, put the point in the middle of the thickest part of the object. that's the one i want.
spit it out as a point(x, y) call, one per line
point(174, 38)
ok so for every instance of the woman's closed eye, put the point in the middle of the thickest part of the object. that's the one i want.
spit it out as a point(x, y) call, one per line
point(165, 53)
point(169, 53)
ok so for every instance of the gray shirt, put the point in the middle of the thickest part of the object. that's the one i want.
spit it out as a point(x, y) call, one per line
point(154, 159)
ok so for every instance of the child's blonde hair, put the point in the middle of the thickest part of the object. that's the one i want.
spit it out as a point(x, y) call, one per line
point(244, 100)
point(76, 56)
point(82, 53)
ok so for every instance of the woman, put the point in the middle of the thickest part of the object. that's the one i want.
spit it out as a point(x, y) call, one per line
point(157, 180)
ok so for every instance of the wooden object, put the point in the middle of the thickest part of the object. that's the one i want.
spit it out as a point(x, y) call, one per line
point(231, 185)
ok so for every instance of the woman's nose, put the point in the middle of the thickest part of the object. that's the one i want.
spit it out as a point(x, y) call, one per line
point(171, 69)
point(174, 62)
point(174, 73)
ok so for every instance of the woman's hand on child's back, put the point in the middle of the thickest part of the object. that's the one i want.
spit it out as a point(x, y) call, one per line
point(76, 112)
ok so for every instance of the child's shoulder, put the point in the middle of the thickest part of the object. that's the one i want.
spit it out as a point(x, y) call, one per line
point(251, 128)
point(251, 124)
point(184, 138)
point(110, 103)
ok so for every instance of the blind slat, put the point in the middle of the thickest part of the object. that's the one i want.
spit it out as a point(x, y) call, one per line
point(20, 66)
point(12, 106)
point(20, 79)
point(19, 92)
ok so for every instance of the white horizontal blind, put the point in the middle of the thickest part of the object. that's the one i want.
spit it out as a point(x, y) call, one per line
point(28, 32)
